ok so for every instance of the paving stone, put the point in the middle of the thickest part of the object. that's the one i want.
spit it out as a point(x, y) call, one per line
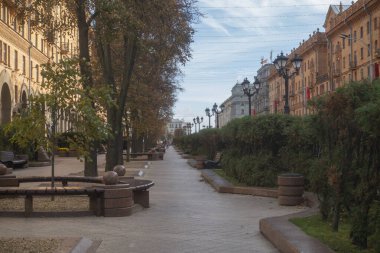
point(185, 215)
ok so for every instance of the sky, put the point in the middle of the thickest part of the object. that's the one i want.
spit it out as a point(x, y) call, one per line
point(232, 38)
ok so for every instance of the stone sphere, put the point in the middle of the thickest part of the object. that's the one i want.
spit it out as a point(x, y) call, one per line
point(120, 170)
point(3, 169)
point(110, 178)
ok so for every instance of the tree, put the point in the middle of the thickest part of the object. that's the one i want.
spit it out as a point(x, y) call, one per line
point(64, 95)
point(56, 17)
point(125, 32)
point(131, 34)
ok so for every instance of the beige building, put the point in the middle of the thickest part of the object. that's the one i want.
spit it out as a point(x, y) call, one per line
point(311, 80)
point(353, 34)
point(22, 52)
point(348, 50)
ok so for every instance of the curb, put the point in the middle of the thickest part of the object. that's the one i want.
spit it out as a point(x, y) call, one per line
point(283, 234)
point(223, 186)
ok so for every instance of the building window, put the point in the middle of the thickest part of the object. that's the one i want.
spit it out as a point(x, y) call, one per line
point(5, 54)
point(361, 32)
point(375, 24)
point(369, 49)
point(242, 111)
point(368, 27)
point(361, 74)
point(16, 60)
point(343, 43)
point(361, 53)
point(369, 71)
point(355, 36)
point(16, 93)
point(31, 69)
point(23, 65)
point(9, 56)
point(1, 51)
point(344, 62)
point(37, 73)
point(375, 44)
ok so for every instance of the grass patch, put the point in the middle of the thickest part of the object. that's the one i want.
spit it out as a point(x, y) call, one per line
point(232, 180)
point(337, 241)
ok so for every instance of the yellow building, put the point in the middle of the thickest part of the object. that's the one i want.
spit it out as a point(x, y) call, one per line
point(22, 51)
point(276, 86)
point(353, 34)
point(312, 77)
point(348, 50)
point(310, 81)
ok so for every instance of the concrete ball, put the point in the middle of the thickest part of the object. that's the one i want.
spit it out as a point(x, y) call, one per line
point(3, 169)
point(110, 178)
point(120, 170)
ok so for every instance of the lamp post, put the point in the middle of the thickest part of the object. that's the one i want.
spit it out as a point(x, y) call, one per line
point(189, 126)
point(209, 115)
point(195, 125)
point(250, 90)
point(198, 121)
point(217, 112)
point(280, 64)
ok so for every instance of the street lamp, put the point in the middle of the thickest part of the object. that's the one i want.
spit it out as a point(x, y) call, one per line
point(198, 121)
point(209, 115)
point(188, 125)
point(195, 125)
point(250, 90)
point(280, 64)
point(217, 112)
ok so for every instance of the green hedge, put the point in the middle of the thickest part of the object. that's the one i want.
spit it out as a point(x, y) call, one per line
point(337, 149)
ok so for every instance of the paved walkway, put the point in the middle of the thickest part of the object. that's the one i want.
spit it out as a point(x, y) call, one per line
point(186, 215)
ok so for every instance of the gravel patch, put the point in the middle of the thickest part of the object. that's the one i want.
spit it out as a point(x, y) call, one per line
point(29, 245)
point(60, 203)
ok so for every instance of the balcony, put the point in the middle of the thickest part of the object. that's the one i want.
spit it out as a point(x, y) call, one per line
point(337, 72)
point(377, 53)
point(353, 65)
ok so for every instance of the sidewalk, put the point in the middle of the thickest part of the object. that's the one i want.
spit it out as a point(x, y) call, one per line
point(186, 215)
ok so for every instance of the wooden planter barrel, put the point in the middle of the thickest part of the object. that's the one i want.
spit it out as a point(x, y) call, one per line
point(290, 189)
point(200, 162)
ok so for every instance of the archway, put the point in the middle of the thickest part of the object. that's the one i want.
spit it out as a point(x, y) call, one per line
point(5, 104)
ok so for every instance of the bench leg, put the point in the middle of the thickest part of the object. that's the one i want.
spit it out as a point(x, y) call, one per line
point(28, 205)
point(142, 198)
point(96, 205)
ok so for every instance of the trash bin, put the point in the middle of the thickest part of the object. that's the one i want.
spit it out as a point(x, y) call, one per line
point(290, 189)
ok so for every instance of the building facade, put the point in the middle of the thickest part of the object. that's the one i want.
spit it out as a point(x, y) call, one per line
point(261, 99)
point(348, 50)
point(236, 106)
point(22, 52)
point(353, 34)
point(173, 125)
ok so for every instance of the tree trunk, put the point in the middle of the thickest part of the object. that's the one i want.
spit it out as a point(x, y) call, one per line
point(90, 166)
point(114, 154)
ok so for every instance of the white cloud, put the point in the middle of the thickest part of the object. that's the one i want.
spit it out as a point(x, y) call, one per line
point(232, 38)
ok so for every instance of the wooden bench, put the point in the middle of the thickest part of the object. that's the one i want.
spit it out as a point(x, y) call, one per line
point(9, 159)
point(150, 155)
point(108, 200)
point(208, 164)
point(95, 194)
